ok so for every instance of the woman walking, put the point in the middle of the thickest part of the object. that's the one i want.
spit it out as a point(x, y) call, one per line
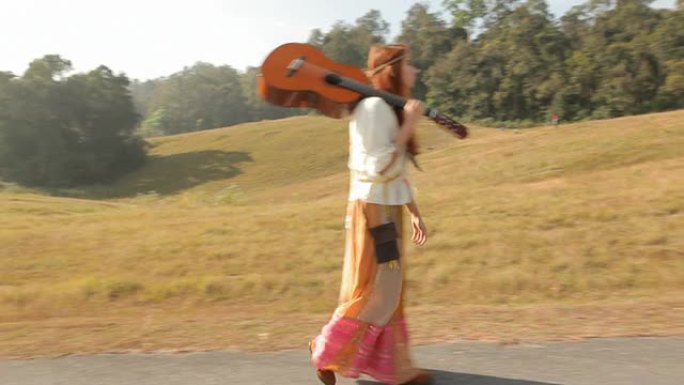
point(367, 332)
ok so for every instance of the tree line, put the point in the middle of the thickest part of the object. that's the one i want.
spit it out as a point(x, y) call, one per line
point(503, 62)
point(602, 59)
point(62, 131)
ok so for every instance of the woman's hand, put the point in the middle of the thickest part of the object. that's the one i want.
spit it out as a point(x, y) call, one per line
point(419, 232)
point(413, 109)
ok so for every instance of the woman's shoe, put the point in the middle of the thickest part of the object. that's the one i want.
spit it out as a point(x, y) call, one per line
point(326, 376)
point(423, 378)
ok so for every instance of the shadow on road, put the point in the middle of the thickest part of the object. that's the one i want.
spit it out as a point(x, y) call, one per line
point(451, 378)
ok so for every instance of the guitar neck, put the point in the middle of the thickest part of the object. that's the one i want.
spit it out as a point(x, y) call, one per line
point(396, 101)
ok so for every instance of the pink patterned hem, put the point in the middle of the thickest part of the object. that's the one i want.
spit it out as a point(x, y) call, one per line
point(352, 347)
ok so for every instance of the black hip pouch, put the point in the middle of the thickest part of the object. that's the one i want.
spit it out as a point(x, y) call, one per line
point(385, 238)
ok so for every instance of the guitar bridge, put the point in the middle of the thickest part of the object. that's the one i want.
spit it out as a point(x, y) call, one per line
point(295, 65)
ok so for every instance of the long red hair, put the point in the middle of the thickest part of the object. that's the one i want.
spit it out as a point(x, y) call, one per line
point(385, 71)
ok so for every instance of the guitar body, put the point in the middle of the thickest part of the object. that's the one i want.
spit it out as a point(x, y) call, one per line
point(307, 89)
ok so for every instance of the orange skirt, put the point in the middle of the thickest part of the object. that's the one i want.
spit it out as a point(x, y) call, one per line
point(367, 332)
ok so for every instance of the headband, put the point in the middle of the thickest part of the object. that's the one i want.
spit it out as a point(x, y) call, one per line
point(376, 70)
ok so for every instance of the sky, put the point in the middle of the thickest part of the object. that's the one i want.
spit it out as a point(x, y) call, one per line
point(147, 39)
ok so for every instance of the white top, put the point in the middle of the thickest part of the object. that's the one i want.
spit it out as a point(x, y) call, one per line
point(372, 132)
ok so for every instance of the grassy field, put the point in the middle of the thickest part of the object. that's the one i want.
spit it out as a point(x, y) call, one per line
point(233, 238)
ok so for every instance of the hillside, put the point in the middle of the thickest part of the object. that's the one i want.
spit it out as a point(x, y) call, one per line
point(250, 218)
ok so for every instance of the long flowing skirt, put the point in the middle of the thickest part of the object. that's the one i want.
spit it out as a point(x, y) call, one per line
point(367, 332)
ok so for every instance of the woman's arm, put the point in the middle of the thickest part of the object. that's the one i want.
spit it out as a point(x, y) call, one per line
point(413, 110)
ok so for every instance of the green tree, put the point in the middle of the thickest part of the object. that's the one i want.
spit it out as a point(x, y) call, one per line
point(200, 97)
point(629, 72)
point(34, 126)
point(469, 14)
point(371, 29)
point(316, 38)
point(142, 93)
point(512, 71)
point(103, 119)
point(349, 44)
point(605, 58)
point(429, 38)
point(154, 123)
point(668, 40)
point(59, 131)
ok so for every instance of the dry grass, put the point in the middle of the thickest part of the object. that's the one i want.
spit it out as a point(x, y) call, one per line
point(250, 218)
point(184, 328)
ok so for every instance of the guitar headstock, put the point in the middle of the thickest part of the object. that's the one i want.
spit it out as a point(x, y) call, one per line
point(455, 127)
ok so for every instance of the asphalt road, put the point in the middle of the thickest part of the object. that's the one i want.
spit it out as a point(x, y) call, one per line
point(642, 361)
